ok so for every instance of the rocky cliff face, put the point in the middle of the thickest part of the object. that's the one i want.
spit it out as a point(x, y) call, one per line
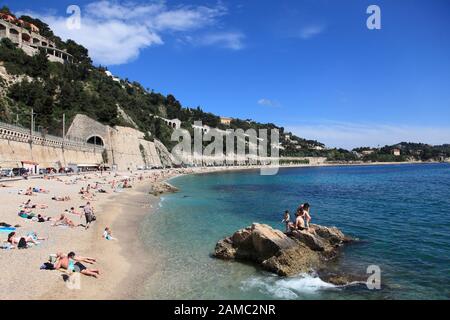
point(286, 255)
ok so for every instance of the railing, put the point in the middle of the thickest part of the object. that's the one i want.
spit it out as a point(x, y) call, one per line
point(20, 134)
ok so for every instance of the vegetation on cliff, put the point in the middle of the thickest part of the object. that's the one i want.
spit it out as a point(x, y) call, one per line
point(52, 89)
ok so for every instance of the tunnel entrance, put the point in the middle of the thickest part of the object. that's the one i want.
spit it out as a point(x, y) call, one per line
point(98, 141)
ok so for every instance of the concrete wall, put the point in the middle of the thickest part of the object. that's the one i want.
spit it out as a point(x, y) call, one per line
point(13, 152)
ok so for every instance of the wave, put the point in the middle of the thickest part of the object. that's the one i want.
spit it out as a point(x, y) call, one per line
point(287, 288)
point(161, 200)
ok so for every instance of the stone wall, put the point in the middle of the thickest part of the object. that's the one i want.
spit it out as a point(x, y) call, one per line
point(121, 143)
point(83, 128)
point(13, 152)
point(126, 151)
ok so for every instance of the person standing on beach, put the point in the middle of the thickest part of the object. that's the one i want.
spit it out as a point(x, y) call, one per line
point(88, 214)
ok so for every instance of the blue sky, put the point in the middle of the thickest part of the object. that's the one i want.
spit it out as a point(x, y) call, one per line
point(311, 66)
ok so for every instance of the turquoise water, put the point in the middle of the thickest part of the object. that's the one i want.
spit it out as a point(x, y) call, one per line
point(401, 214)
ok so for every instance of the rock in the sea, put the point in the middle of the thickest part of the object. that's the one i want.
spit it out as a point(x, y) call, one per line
point(162, 187)
point(284, 254)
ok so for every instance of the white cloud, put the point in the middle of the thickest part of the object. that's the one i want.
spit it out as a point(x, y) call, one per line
point(351, 135)
point(188, 18)
point(229, 40)
point(115, 32)
point(311, 31)
point(268, 102)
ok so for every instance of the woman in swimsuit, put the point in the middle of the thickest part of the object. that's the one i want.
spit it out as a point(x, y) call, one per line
point(14, 240)
point(63, 220)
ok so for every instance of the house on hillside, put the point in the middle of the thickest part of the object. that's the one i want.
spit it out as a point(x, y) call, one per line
point(26, 37)
point(226, 121)
point(396, 152)
point(367, 152)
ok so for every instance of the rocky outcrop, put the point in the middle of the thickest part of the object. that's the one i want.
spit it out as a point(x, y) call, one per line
point(284, 254)
point(162, 187)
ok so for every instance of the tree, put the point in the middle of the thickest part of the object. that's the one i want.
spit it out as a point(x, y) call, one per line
point(5, 10)
point(44, 29)
point(80, 53)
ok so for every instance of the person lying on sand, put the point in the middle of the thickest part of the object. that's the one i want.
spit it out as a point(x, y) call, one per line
point(22, 242)
point(4, 186)
point(101, 190)
point(64, 221)
point(41, 218)
point(26, 214)
point(73, 211)
point(28, 192)
point(72, 262)
point(40, 190)
point(65, 198)
point(87, 196)
point(29, 205)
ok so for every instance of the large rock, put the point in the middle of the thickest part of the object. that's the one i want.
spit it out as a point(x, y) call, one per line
point(162, 187)
point(284, 254)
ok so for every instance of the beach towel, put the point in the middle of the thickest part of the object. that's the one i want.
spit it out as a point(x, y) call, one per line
point(7, 229)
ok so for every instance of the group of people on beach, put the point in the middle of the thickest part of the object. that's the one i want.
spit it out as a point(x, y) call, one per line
point(35, 211)
point(302, 218)
point(27, 210)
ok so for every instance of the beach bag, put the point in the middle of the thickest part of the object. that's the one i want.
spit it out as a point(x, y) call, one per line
point(47, 266)
point(22, 244)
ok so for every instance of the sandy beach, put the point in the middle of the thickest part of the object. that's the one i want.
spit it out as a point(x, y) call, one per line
point(121, 211)
point(122, 263)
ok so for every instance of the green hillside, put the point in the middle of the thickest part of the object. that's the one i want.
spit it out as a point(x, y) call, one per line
point(53, 89)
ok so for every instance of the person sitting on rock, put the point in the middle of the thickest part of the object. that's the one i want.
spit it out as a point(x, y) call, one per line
point(299, 222)
point(287, 220)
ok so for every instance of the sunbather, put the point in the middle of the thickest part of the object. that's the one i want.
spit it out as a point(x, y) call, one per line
point(26, 214)
point(42, 218)
point(22, 242)
point(64, 221)
point(65, 198)
point(40, 190)
point(29, 205)
point(72, 262)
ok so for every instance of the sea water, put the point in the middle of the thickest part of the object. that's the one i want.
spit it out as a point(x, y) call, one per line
point(400, 214)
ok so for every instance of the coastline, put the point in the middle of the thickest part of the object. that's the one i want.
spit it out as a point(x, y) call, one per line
point(124, 263)
point(131, 286)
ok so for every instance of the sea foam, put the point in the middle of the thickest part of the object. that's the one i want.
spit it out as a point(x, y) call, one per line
point(287, 288)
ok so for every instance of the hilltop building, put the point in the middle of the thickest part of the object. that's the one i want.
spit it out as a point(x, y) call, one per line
point(26, 36)
point(109, 74)
point(226, 121)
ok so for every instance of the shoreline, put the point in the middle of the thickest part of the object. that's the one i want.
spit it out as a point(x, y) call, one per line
point(124, 263)
point(144, 251)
